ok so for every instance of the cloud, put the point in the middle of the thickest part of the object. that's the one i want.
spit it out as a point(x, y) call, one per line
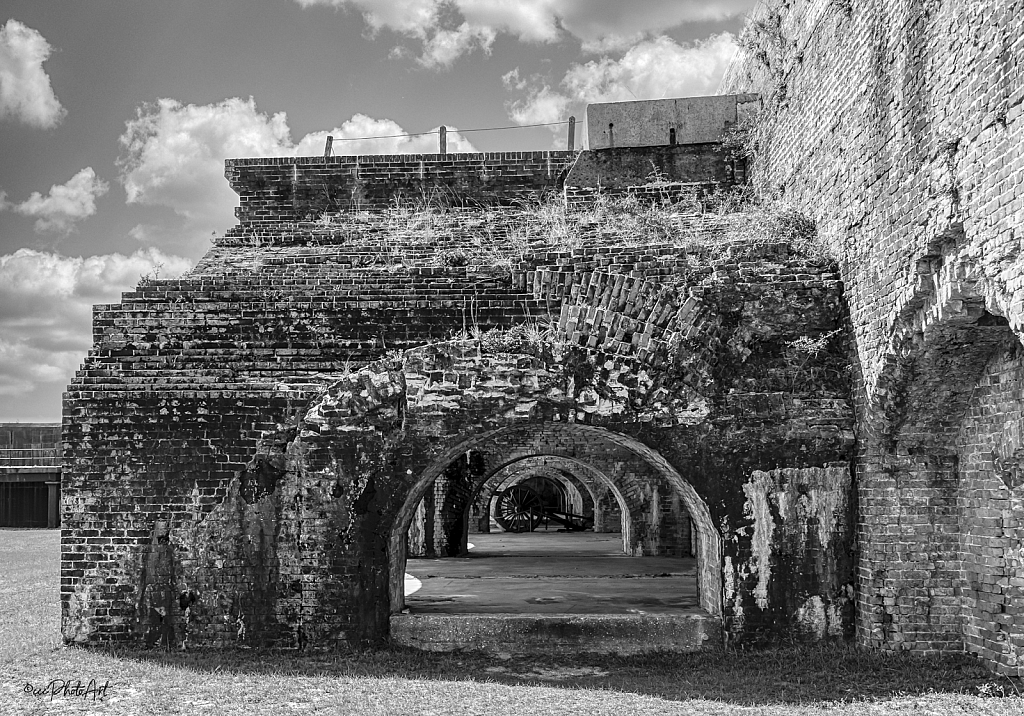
point(620, 25)
point(173, 156)
point(46, 309)
point(652, 69)
point(446, 46)
point(541, 104)
point(65, 204)
point(447, 29)
point(25, 91)
point(346, 139)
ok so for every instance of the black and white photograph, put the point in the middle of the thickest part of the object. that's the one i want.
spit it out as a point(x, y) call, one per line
point(495, 357)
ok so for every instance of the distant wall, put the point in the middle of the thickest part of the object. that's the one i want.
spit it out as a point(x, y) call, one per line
point(30, 474)
point(29, 435)
point(647, 123)
point(299, 188)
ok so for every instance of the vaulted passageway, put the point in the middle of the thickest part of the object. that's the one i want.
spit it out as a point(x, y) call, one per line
point(664, 528)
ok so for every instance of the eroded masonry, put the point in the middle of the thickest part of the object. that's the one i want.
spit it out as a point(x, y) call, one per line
point(359, 372)
point(254, 450)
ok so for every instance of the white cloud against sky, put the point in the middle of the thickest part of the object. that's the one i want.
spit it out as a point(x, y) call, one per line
point(447, 29)
point(64, 205)
point(25, 92)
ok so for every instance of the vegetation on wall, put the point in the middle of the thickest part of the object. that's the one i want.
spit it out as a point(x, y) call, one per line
point(763, 40)
point(503, 238)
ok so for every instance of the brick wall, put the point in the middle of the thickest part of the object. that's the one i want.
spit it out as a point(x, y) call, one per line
point(990, 512)
point(898, 127)
point(296, 188)
point(614, 170)
point(245, 447)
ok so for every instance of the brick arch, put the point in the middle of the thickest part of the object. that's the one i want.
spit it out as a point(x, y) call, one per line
point(383, 431)
point(950, 325)
point(508, 473)
point(651, 530)
point(951, 291)
point(638, 321)
point(707, 539)
point(933, 464)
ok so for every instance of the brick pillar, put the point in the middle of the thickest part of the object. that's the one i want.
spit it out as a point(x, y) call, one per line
point(53, 505)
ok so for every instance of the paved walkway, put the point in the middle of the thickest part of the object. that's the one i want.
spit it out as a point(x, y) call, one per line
point(552, 573)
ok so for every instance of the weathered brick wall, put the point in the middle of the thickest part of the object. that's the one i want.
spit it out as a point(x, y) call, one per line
point(899, 123)
point(297, 188)
point(245, 447)
point(613, 170)
point(991, 513)
point(186, 378)
point(898, 127)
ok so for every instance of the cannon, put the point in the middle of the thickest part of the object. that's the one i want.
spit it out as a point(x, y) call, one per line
point(521, 509)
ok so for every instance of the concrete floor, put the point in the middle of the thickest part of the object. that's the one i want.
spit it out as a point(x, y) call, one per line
point(552, 573)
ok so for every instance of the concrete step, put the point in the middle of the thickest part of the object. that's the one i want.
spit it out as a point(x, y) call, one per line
point(536, 634)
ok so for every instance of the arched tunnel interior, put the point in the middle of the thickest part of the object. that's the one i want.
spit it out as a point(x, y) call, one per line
point(556, 519)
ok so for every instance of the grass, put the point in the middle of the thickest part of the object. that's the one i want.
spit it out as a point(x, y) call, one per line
point(435, 234)
point(799, 680)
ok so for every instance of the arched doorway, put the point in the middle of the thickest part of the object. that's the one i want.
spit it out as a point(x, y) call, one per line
point(588, 493)
point(592, 494)
point(944, 444)
point(645, 483)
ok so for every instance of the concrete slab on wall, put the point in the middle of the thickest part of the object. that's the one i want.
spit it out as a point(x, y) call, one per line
point(647, 123)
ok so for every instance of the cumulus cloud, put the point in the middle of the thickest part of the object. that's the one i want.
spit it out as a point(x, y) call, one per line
point(652, 69)
point(65, 204)
point(347, 139)
point(25, 91)
point(45, 313)
point(173, 156)
point(447, 29)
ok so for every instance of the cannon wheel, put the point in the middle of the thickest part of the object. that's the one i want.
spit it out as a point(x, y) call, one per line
point(519, 509)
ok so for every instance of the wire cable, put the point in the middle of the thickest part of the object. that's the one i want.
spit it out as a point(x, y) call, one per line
point(516, 126)
point(453, 131)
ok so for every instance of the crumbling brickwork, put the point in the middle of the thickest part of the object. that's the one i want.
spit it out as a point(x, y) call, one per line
point(898, 127)
point(247, 448)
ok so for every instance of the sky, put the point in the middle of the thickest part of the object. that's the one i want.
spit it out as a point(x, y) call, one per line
point(116, 117)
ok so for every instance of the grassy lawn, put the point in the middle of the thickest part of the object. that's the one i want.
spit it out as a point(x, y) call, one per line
point(790, 680)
